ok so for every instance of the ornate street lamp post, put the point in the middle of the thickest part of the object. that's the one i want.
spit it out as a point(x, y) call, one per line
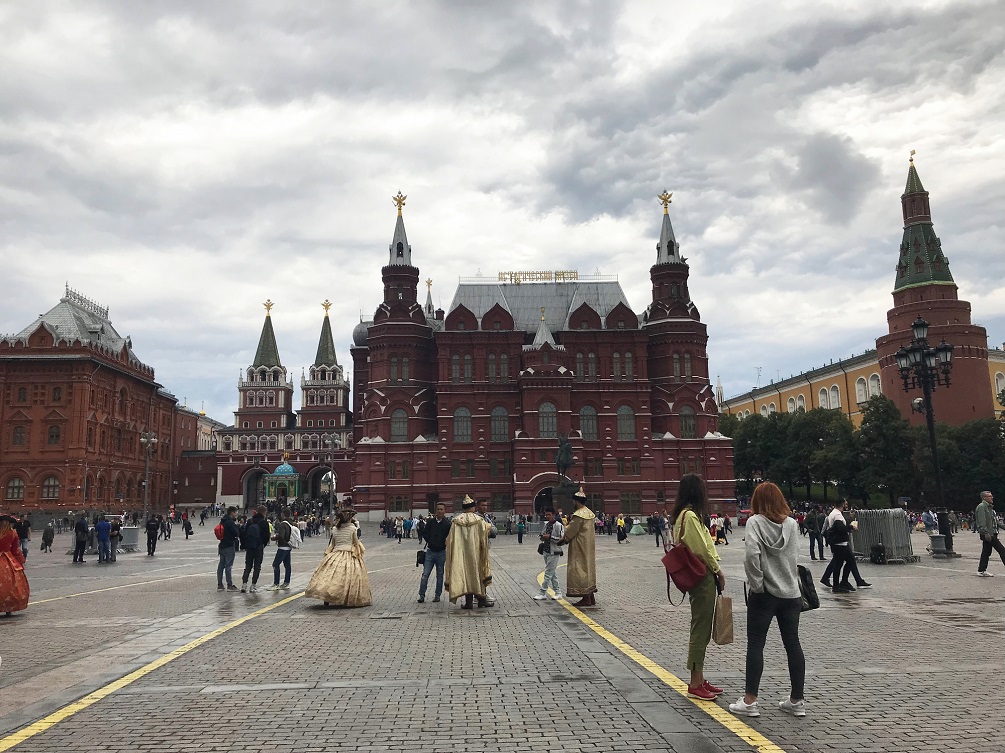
point(927, 367)
point(149, 441)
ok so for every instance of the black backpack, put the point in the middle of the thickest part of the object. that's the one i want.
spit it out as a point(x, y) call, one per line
point(251, 535)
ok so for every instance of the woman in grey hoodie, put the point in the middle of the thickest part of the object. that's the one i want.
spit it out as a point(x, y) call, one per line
point(772, 546)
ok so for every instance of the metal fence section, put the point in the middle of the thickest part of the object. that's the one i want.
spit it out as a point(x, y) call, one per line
point(888, 527)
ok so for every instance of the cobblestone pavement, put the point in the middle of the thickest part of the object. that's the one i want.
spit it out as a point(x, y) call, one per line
point(910, 665)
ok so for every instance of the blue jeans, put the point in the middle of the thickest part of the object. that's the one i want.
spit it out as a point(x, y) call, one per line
point(550, 574)
point(104, 551)
point(282, 558)
point(226, 566)
point(433, 558)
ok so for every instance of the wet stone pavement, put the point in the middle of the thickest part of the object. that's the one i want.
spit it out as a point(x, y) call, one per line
point(910, 665)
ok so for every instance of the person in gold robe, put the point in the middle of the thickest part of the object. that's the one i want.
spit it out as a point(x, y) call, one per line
point(467, 568)
point(341, 578)
point(582, 563)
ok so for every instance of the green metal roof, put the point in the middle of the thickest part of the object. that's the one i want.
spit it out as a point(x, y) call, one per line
point(913, 181)
point(268, 352)
point(326, 346)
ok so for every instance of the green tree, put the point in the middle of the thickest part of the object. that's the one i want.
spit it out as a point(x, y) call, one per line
point(885, 447)
point(835, 458)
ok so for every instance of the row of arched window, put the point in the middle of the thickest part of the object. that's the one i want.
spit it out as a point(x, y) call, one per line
point(265, 375)
point(830, 398)
point(15, 488)
point(19, 435)
point(325, 374)
point(323, 397)
point(677, 362)
point(394, 375)
point(260, 398)
point(271, 442)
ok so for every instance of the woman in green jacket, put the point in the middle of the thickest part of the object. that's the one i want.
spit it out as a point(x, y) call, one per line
point(686, 519)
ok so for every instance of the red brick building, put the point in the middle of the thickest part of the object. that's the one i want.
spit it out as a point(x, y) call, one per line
point(475, 401)
point(75, 400)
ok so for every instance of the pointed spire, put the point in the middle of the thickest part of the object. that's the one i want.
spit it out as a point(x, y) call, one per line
point(719, 396)
point(401, 252)
point(921, 261)
point(326, 345)
point(543, 334)
point(268, 352)
point(668, 250)
point(429, 310)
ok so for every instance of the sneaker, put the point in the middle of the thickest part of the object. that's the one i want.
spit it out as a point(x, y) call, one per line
point(985, 574)
point(231, 587)
point(848, 587)
point(421, 599)
point(741, 708)
point(253, 588)
point(825, 582)
point(285, 586)
point(219, 586)
point(436, 598)
point(273, 587)
point(865, 585)
point(796, 708)
point(244, 588)
point(842, 589)
point(540, 597)
point(556, 597)
point(701, 693)
point(709, 686)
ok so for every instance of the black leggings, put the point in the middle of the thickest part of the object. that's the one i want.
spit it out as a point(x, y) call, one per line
point(761, 608)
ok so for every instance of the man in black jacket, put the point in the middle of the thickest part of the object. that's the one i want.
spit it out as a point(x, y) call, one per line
point(80, 531)
point(435, 533)
point(256, 538)
point(153, 528)
point(228, 549)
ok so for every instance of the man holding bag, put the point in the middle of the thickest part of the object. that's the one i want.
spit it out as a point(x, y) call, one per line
point(686, 520)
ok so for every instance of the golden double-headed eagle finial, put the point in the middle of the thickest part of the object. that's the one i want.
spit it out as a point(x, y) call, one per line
point(665, 201)
point(399, 201)
point(326, 304)
point(912, 156)
point(429, 284)
point(268, 306)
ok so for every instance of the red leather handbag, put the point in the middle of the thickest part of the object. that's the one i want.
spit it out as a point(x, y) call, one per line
point(683, 568)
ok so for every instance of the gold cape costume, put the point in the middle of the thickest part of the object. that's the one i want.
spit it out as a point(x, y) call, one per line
point(467, 569)
point(582, 563)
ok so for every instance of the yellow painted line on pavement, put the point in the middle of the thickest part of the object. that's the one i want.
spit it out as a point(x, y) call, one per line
point(112, 588)
point(45, 723)
point(746, 733)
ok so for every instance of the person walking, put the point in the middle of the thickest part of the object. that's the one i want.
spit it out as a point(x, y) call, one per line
point(283, 552)
point(987, 526)
point(842, 564)
point(660, 525)
point(227, 549)
point(686, 518)
point(436, 531)
point(254, 539)
point(814, 527)
point(399, 528)
point(468, 572)
point(80, 532)
point(23, 529)
point(153, 529)
point(770, 564)
point(551, 548)
point(48, 536)
point(581, 572)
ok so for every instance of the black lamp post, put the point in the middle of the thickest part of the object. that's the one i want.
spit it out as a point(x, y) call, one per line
point(927, 367)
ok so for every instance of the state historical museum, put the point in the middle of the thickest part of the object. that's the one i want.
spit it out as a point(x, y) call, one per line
point(474, 400)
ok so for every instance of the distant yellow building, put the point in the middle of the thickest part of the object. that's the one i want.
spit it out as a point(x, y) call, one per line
point(842, 385)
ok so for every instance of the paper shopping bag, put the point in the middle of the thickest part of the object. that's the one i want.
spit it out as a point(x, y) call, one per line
point(722, 620)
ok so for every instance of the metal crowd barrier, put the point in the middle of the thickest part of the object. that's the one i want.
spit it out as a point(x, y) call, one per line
point(888, 527)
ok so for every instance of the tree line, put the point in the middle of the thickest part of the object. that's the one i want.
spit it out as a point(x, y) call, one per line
point(881, 462)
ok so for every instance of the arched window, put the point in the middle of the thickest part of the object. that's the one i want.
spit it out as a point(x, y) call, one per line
point(468, 367)
point(800, 403)
point(824, 401)
point(54, 435)
point(771, 408)
point(399, 425)
point(404, 372)
point(591, 367)
point(462, 425)
point(20, 436)
point(875, 388)
point(861, 390)
point(688, 423)
point(579, 367)
point(50, 488)
point(687, 367)
point(228, 444)
point(394, 370)
point(271, 399)
point(616, 360)
point(835, 397)
point(15, 489)
point(547, 421)
point(764, 410)
point(500, 424)
point(491, 368)
point(588, 422)
point(629, 368)
point(57, 395)
point(122, 401)
point(790, 405)
point(676, 367)
point(503, 367)
point(455, 368)
point(626, 423)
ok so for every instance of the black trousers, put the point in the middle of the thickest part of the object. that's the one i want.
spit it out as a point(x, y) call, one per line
point(151, 543)
point(761, 608)
point(986, 552)
point(843, 564)
point(253, 564)
point(78, 551)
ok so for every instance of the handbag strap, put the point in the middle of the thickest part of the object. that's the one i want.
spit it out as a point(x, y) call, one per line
point(669, 598)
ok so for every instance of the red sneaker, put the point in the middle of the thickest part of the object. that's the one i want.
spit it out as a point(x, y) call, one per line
point(712, 689)
point(701, 692)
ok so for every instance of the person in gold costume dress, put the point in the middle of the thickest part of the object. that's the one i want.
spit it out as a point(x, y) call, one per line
point(468, 572)
point(14, 589)
point(341, 579)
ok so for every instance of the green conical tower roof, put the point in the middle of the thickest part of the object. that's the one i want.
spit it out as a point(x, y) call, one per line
point(326, 345)
point(921, 261)
point(268, 352)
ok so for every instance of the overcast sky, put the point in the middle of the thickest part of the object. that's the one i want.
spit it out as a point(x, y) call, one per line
point(182, 162)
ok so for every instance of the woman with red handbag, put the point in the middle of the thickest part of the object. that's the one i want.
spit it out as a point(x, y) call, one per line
point(689, 530)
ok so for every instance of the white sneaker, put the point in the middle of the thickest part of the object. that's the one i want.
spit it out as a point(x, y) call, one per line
point(556, 597)
point(796, 708)
point(540, 597)
point(745, 709)
point(273, 587)
point(985, 574)
point(285, 586)
point(253, 588)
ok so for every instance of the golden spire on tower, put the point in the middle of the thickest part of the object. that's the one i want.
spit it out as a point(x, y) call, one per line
point(399, 201)
point(326, 305)
point(912, 156)
point(268, 306)
point(429, 284)
point(542, 313)
point(665, 201)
